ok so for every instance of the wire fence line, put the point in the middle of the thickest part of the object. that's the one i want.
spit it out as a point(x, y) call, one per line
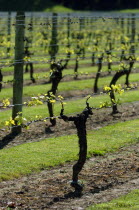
point(26, 103)
point(27, 124)
point(105, 50)
point(62, 57)
point(48, 35)
point(73, 14)
point(2, 107)
point(59, 24)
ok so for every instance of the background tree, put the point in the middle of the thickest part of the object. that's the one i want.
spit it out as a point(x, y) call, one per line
point(38, 5)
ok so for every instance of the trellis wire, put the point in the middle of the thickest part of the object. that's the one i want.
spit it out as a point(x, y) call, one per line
point(62, 54)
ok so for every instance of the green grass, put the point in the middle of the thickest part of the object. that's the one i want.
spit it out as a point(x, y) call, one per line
point(47, 73)
point(61, 8)
point(11, 69)
point(30, 157)
point(72, 106)
point(58, 8)
point(66, 86)
point(82, 70)
point(129, 11)
point(7, 69)
point(126, 202)
point(47, 65)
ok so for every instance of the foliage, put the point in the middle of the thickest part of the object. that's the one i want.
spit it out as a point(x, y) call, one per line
point(5, 103)
point(73, 106)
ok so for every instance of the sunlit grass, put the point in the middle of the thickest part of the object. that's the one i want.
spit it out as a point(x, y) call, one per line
point(129, 11)
point(67, 86)
point(129, 201)
point(58, 8)
point(30, 157)
point(72, 106)
point(69, 71)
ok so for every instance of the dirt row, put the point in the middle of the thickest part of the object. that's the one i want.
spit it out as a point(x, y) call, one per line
point(104, 178)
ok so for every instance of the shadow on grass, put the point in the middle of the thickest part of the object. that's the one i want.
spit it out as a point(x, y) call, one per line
point(7, 139)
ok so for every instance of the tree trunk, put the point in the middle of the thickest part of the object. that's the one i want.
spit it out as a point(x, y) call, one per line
point(76, 68)
point(98, 74)
point(82, 157)
point(31, 72)
point(113, 82)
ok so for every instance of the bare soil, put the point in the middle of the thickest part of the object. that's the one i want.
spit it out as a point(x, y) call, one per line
point(104, 177)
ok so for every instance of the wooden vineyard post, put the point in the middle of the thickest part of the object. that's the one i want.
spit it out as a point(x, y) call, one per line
point(82, 23)
point(68, 38)
point(68, 29)
point(18, 70)
point(133, 32)
point(53, 48)
point(9, 33)
point(132, 49)
point(128, 26)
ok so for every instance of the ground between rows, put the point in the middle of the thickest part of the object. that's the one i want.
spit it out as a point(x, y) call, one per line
point(104, 177)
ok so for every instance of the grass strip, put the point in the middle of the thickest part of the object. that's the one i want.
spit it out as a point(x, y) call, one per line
point(129, 201)
point(72, 106)
point(58, 8)
point(33, 157)
point(67, 86)
point(70, 71)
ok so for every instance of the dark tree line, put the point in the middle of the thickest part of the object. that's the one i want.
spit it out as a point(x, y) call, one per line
point(99, 4)
point(38, 5)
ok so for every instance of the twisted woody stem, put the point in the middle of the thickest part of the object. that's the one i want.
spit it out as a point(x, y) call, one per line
point(118, 74)
point(80, 123)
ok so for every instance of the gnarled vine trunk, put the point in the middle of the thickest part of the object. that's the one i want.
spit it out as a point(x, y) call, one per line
point(80, 123)
point(113, 82)
point(55, 79)
point(98, 73)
